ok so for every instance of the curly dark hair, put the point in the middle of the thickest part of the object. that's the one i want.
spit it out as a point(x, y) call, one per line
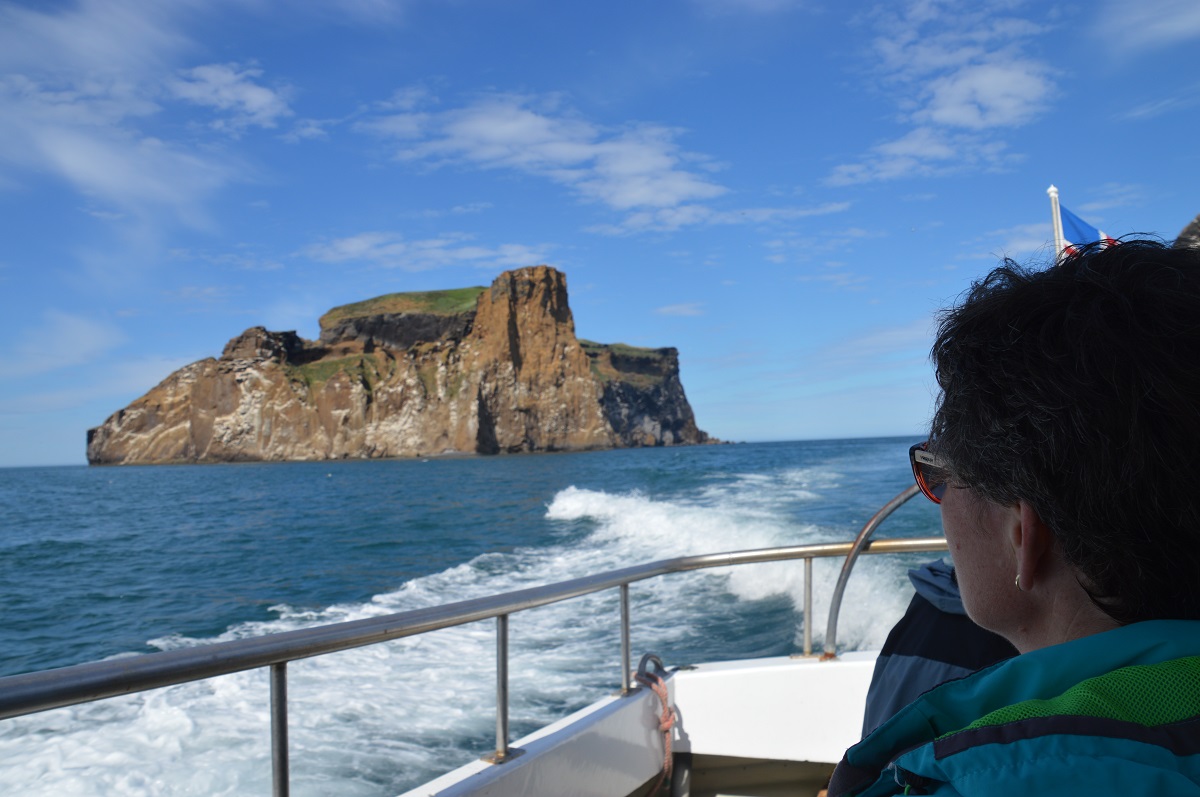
point(1077, 389)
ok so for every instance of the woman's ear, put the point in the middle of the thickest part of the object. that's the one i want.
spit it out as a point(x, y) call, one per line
point(1032, 541)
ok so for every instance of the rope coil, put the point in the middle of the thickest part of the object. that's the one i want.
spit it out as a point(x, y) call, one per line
point(666, 724)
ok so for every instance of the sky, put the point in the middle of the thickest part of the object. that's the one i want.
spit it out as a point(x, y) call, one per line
point(784, 190)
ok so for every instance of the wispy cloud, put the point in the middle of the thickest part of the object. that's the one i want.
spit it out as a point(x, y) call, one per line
point(1147, 24)
point(636, 167)
point(1110, 196)
point(757, 7)
point(369, 12)
point(101, 38)
point(78, 85)
point(827, 242)
point(232, 89)
point(1180, 101)
point(836, 275)
point(961, 75)
point(638, 170)
point(245, 260)
point(61, 340)
point(670, 219)
point(121, 381)
point(906, 344)
point(199, 295)
point(309, 130)
point(1020, 242)
point(688, 309)
point(392, 250)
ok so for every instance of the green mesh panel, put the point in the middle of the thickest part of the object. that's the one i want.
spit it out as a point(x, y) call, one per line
point(1147, 694)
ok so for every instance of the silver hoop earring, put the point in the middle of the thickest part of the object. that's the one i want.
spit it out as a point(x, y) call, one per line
point(1019, 583)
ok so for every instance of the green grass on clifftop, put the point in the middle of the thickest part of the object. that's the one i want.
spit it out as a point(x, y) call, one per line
point(619, 348)
point(600, 360)
point(451, 302)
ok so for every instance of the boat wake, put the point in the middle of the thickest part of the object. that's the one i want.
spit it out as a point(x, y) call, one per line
point(379, 720)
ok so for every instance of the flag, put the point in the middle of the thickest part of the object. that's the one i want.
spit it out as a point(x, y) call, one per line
point(1071, 231)
point(1077, 232)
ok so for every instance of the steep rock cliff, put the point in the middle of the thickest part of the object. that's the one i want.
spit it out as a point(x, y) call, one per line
point(643, 398)
point(483, 370)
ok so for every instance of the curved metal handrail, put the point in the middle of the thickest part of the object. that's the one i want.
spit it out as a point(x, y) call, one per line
point(859, 545)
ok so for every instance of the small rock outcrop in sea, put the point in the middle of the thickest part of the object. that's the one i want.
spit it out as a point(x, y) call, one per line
point(475, 370)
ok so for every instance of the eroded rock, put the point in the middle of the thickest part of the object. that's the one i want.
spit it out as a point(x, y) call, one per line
point(504, 375)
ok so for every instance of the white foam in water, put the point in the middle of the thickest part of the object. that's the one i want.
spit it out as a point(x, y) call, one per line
point(378, 720)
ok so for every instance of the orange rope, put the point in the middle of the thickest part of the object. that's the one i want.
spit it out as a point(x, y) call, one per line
point(667, 722)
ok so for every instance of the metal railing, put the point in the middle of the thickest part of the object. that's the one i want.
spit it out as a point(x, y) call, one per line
point(860, 544)
point(40, 691)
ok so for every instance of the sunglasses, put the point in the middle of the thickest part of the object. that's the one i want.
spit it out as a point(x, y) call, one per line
point(931, 475)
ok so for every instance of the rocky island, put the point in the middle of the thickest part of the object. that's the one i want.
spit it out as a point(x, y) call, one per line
point(482, 370)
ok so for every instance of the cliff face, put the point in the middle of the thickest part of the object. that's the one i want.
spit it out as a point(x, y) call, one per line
point(410, 378)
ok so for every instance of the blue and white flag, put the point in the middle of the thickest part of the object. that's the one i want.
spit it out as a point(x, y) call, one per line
point(1077, 232)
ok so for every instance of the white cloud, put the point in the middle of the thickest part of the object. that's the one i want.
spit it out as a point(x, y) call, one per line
point(1147, 24)
point(828, 247)
point(749, 6)
point(636, 170)
point(470, 207)
point(688, 309)
point(1109, 196)
point(392, 250)
point(137, 174)
point(1020, 242)
point(835, 276)
point(671, 219)
point(986, 95)
point(1163, 105)
point(369, 12)
point(62, 340)
point(245, 260)
point(77, 85)
point(959, 74)
point(100, 38)
point(406, 99)
point(903, 345)
point(309, 130)
point(122, 381)
point(631, 168)
point(923, 152)
point(199, 294)
point(232, 88)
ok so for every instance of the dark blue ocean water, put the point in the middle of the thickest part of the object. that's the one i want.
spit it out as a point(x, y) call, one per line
point(96, 562)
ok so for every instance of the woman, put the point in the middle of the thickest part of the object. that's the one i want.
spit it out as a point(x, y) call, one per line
point(1065, 456)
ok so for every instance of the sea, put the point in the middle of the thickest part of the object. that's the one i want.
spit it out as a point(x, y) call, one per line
point(97, 563)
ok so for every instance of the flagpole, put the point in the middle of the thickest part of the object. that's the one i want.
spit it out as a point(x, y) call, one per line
point(1056, 220)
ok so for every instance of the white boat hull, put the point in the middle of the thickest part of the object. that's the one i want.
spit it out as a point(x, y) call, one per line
point(757, 720)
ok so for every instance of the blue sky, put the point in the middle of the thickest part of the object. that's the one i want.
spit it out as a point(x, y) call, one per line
point(784, 191)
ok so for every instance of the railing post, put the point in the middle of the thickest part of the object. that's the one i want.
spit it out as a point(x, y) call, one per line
point(501, 688)
point(625, 647)
point(279, 731)
point(808, 578)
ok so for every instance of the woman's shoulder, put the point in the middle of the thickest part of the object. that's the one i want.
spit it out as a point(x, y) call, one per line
point(1056, 761)
point(1118, 708)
